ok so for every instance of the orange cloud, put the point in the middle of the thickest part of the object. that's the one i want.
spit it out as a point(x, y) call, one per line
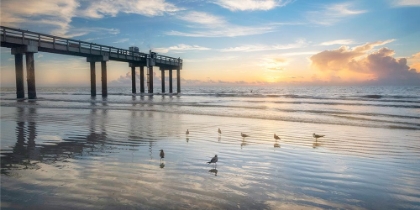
point(378, 67)
point(415, 62)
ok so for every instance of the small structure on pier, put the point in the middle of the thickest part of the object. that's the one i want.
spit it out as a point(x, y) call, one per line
point(23, 42)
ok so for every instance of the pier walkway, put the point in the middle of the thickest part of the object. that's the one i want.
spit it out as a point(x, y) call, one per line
point(23, 42)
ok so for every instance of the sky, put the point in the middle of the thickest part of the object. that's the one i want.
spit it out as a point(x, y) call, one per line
point(230, 42)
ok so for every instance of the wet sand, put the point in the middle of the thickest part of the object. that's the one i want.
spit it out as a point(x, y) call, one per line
point(109, 159)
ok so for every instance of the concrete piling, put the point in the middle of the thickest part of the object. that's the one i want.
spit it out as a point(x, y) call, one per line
point(92, 79)
point(150, 79)
point(30, 74)
point(20, 89)
point(133, 79)
point(104, 79)
point(170, 80)
point(162, 73)
point(141, 79)
point(178, 78)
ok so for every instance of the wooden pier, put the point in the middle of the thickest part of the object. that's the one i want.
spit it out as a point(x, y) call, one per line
point(23, 42)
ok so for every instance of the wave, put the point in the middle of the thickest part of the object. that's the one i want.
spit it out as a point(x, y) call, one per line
point(386, 98)
point(404, 99)
point(324, 117)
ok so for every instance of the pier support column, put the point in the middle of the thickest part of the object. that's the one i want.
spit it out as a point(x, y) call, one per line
point(29, 51)
point(141, 79)
point(178, 79)
point(92, 79)
point(150, 78)
point(133, 79)
point(104, 79)
point(170, 80)
point(20, 89)
point(92, 60)
point(162, 75)
point(30, 74)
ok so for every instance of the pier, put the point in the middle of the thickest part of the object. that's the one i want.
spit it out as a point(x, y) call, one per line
point(23, 42)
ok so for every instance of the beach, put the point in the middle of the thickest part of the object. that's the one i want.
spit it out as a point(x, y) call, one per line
point(67, 150)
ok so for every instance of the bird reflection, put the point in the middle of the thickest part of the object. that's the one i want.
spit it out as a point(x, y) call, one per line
point(213, 171)
point(219, 138)
point(277, 145)
point(316, 144)
point(243, 143)
point(187, 139)
point(162, 165)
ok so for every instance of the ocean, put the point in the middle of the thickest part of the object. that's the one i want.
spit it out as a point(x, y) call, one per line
point(67, 150)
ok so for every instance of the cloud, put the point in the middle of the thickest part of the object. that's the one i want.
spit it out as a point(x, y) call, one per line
point(202, 18)
point(275, 63)
point(338, 59)
point(57, 15)
point(252, 48)
point(234, 31)
point(210, 82)
point(208, 25)
point(180, 48)
point(53, 13)
point(338, 42)
point(415, 60)
point(243, 5)
point(121, 41)
point(405, 3)
point(216, 58)
point(125, 80)
point(298, 53)
point(330, 14)
point(379, 65)
point(101, 8)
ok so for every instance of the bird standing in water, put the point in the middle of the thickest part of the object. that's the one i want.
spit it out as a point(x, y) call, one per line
point(162, 154)
point(316, 136)
point(276, 137)
point(220, 132)
point(187, 132)
point(214, 160)
point(244, 135)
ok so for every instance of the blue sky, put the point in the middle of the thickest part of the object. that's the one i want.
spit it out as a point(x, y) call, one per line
point(231, 42)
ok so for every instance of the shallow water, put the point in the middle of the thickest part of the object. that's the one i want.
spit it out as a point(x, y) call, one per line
point(74, 152)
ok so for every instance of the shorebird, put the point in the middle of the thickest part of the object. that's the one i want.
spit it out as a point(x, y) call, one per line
point(316, 136)
point(244, 135)
point(187, 132)
point(276, 137)
point(220, 132)
point(162, 154)
point(214, 160)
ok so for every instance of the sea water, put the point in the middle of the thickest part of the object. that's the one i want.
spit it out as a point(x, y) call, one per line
point(67, 150)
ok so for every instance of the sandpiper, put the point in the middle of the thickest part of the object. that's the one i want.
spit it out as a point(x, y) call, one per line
point(214, 160)
point(316, 136)
point(244, 135)
point(162, 154)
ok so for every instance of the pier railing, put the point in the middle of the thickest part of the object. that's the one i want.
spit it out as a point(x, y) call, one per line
point(80, 48)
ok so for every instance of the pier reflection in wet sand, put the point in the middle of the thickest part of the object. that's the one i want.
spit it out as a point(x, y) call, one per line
point(110, 159)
